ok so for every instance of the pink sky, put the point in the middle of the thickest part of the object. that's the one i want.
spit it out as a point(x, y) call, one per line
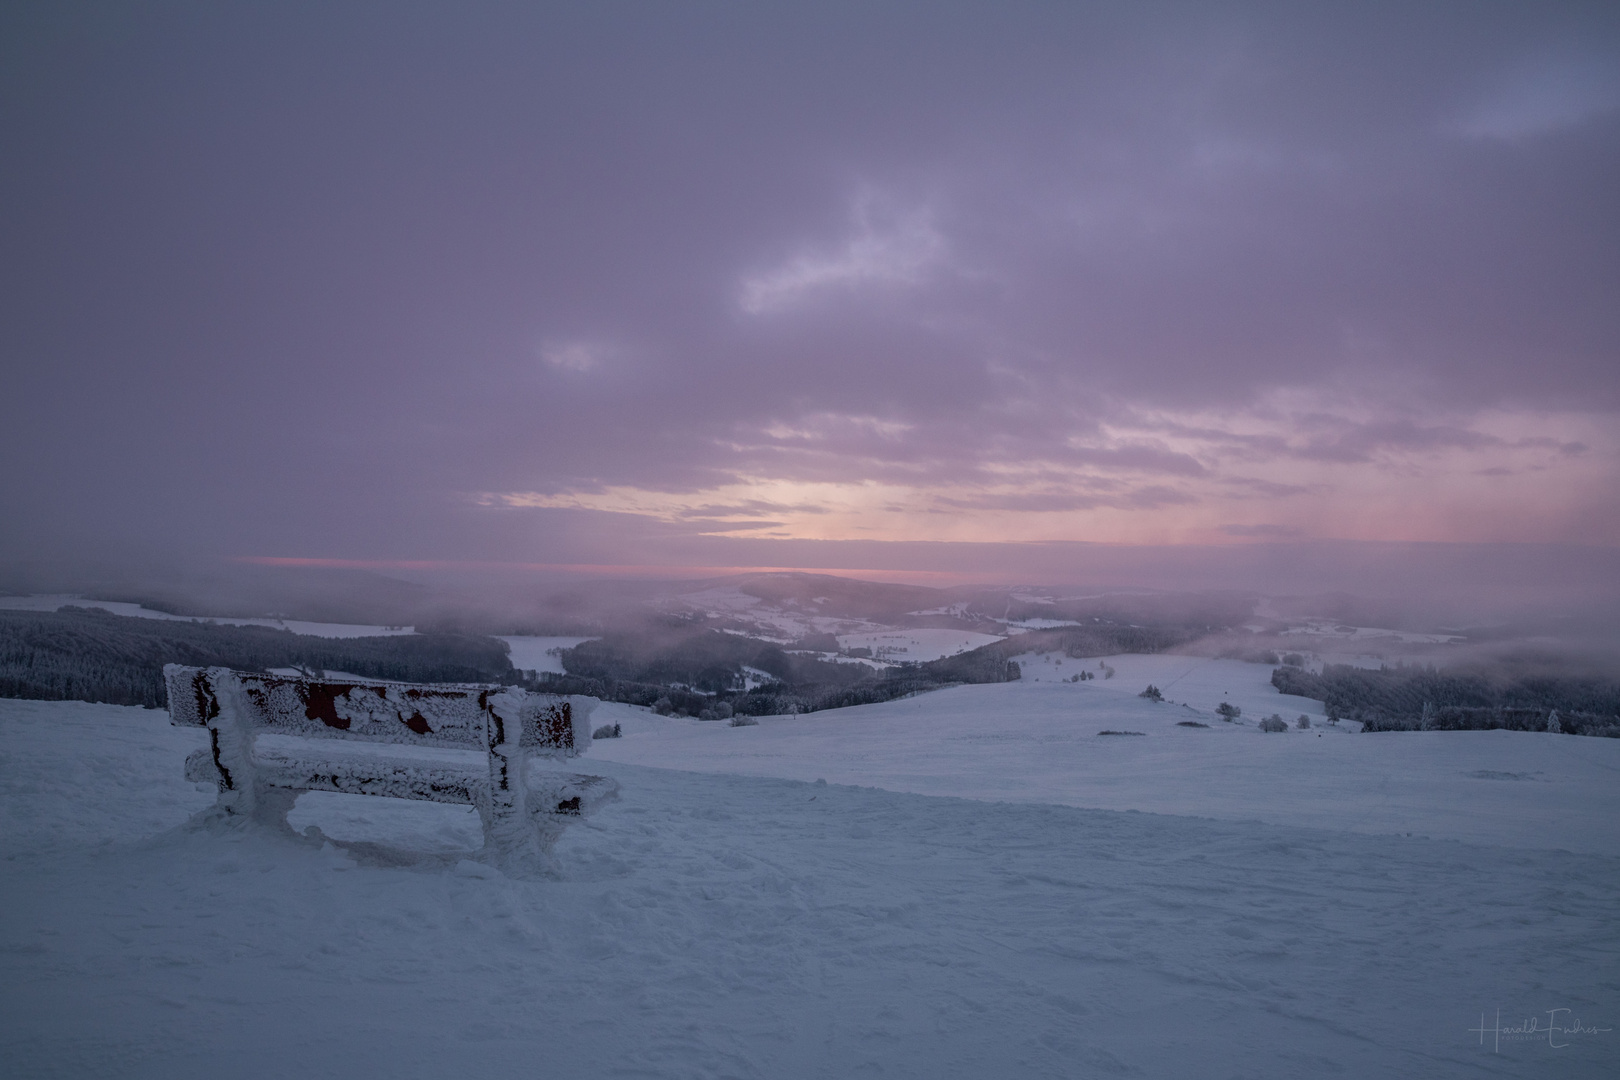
point(629, 287)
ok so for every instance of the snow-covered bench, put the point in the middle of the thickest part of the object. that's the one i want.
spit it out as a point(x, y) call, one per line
point(522, 812)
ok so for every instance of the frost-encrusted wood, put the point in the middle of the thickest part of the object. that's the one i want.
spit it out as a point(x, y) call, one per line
point(521, 815)
point(455, 716)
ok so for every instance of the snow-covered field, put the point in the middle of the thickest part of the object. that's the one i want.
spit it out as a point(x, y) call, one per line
point(118, 607)
point(781, 623)
point(1244, 921)
point(535, 653)
point(1037, 740)
point(915, 645)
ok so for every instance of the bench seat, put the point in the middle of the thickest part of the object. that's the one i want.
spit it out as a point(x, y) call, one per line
point(447, 781)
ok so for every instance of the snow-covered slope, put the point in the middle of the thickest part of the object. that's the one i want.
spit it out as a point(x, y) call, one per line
point(714, 925)
point(1037, 740)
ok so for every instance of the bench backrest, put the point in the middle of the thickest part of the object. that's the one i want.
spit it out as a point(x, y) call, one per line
point(462, 716)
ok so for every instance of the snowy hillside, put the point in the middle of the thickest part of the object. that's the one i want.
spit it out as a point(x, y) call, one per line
point(715, 925)
point(1037, 740)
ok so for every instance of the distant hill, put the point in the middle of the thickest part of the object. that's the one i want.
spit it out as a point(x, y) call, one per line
point(689, 669)
point(682, 647)
point(878, 601)
point(703, 659)
point(1076, 641)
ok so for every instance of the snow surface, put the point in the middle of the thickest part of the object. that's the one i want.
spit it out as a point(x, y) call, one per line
point(1037, 740)
point(118, 607)
point(711, 925)
point(915, 645)
point(534, 653)
point(1022, 626)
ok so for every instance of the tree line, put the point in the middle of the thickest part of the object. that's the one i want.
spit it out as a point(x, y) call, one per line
point(1415, 698)
point(85, 654)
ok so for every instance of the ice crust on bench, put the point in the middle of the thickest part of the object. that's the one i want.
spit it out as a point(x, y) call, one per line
point(409, 778)
point(450, 715)
point(522, 811)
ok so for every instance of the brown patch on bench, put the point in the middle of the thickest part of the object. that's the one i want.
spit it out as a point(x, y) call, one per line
point(556, 725)
point(320, 702)
point(417, 724)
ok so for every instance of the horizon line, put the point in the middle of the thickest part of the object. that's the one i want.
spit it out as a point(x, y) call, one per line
point(611, 569)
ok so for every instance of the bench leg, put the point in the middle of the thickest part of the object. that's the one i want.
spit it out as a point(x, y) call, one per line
point(229, 756)
point(512, 839)
point(230, 745)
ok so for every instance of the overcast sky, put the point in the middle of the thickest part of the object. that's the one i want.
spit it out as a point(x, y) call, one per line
point(641, 283)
